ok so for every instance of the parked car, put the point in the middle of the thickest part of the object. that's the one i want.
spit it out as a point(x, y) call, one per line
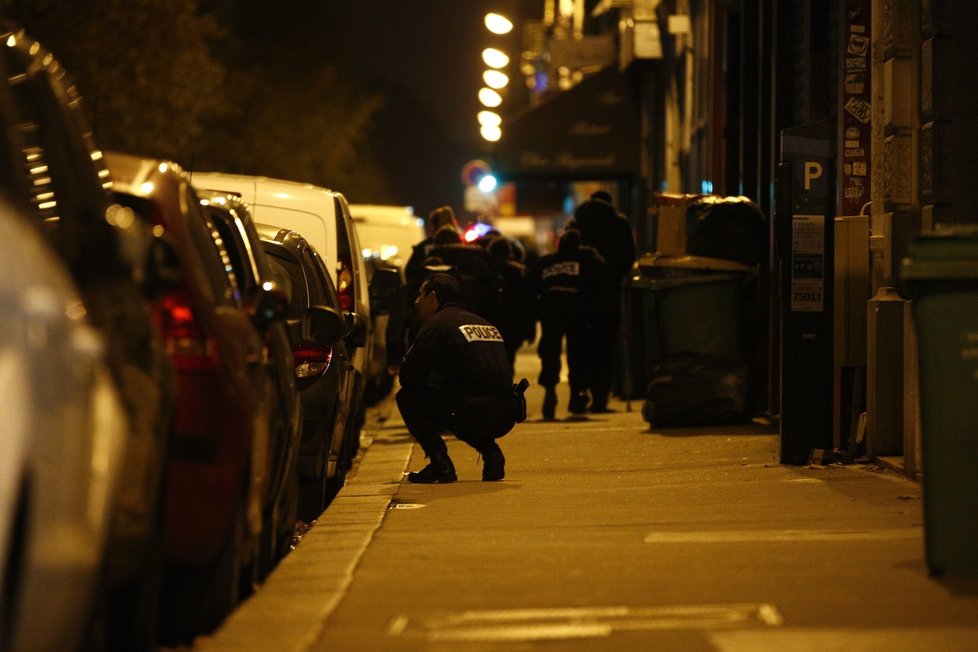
point(291, 344)
point(65, 432)
point(326, 376)
point(387, 235)
point(231, 493)
point(53, 174)
point(323, 218)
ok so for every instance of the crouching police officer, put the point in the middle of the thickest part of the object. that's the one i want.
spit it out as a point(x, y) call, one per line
point(456, 378)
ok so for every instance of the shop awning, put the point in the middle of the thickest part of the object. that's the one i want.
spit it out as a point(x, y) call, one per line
point(588, 132)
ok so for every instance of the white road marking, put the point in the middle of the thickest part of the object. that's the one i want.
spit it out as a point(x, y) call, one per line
point(762, 536)
point(582, 622)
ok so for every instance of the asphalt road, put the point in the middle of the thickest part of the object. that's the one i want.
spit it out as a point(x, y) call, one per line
point(606, 534)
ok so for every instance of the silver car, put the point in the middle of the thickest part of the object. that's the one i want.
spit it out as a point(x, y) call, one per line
point(64, 437)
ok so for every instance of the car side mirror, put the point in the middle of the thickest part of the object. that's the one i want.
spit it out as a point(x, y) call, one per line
point(384, 285)
point(322, 325)
point(267, 304)
point(357, 330)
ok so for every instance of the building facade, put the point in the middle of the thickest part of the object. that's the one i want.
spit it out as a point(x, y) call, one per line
point(752, 98)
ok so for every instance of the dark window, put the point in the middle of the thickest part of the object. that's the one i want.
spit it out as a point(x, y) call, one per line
point(288, 275)
point(237, 247)
point(209, 244)
point(327, 294)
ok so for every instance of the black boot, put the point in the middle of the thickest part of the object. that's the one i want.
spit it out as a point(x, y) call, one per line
point(439, 471)
point(493, 463)
point(578, 403)
point(549, 403)
point(599, 404)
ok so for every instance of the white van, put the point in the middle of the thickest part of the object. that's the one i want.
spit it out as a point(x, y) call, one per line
point(386, 232)
point(323, 218)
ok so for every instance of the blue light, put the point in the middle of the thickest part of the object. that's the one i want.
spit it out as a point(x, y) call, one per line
point(487, 183)
point(706, 187)
point(476, 231)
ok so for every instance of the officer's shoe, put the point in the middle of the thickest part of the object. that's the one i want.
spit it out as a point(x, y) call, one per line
point(549, 403)
point(578, 403)
point(493, 463)
point(600, 405)
point(439, 471)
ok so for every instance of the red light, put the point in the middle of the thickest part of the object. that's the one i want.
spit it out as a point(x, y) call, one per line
point(312, 360)
point(181, 315)
point(189, 348)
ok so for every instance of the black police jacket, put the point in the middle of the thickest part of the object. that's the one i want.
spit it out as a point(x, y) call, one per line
point(567, 282)
point(460, 350)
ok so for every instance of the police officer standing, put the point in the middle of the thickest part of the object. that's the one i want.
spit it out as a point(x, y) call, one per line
point(456, 378)
point(608, 231)
point(565, 283)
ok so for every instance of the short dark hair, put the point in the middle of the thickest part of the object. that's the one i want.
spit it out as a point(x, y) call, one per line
point(602, 195)
point(445, 286)
point(570, 239)
point(441, 216)
point(446, 234)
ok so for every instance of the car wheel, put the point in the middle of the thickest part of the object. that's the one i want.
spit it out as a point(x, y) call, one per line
point(314, 490)
point(13, 567)
point(312, 497)
point(351, 443)
point(196, 600)
point(288, 514)
point(224, 592)
point(134, 606)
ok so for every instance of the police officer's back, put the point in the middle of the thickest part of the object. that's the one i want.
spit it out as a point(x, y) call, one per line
point(567, 280)
point(566, 283)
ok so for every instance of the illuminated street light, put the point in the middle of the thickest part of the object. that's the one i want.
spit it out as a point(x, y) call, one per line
point(489, 118)
point(490, 98)
point(492, 134)
point(495, 58)
point(498, 24)
point(487, 183)
point(495, 79)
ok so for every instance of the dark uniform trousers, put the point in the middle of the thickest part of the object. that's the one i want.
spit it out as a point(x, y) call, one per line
point(605, 333)
point(552, 331)
point(429, 410)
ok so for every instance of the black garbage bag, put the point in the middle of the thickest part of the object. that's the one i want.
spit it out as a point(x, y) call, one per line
point(698, 389)
point(730, 228)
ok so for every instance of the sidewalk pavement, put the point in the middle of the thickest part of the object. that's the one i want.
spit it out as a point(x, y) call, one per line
point(604, 534)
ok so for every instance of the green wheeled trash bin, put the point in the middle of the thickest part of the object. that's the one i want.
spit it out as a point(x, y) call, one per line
point(941, 276)
point(693, 304)
point(693, 315)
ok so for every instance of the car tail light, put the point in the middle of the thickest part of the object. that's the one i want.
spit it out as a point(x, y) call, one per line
point(344, 284)
point(312, 360)
point(185, 343)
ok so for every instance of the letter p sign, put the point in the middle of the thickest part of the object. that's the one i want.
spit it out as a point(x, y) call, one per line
point(813, 171)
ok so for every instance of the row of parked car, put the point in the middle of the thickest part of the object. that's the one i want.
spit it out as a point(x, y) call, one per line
point(184, 364)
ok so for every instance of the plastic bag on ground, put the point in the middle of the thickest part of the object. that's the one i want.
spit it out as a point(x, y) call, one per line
point(697, 389)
